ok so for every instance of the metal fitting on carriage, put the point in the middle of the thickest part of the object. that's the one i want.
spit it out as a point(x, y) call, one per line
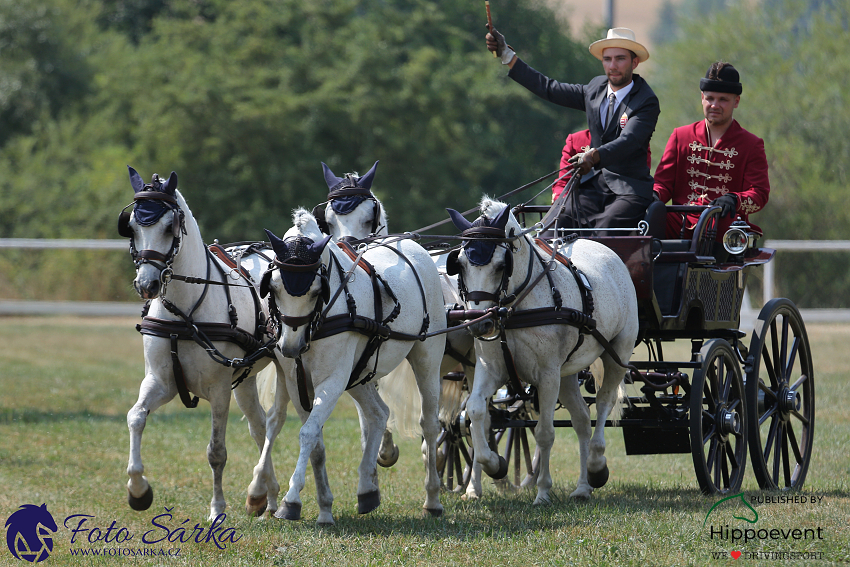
point(739, 238)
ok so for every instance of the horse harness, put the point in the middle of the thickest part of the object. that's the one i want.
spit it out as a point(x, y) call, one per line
point(511, 318)
point(321, 326)
point(203, 333)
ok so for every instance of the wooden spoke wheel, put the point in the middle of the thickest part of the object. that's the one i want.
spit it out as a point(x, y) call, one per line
point(718, 424)
point(517, 446)
point(780, 397)
point(454, 453)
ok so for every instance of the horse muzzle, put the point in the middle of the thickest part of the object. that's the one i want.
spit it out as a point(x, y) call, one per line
point(147, 288)
point(486, 329)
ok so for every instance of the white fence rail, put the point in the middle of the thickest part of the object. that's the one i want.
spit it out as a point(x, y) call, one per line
point(114, 308)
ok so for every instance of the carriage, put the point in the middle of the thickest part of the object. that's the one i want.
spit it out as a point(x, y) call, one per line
point(732, 393)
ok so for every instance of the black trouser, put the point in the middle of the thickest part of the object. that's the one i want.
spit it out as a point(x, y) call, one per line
point(596, 206)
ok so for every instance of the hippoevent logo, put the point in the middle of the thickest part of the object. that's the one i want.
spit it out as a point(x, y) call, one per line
point(739, 536)
point(28, 533)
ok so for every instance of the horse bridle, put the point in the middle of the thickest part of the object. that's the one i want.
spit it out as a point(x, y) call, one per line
point(348, 188)
point(159, 260)
point(500, 296)
point(314, 318)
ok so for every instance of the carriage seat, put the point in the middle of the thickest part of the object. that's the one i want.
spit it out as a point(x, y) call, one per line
point(672, 256)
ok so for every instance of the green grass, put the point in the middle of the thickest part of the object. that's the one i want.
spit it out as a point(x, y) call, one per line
point(66, 385)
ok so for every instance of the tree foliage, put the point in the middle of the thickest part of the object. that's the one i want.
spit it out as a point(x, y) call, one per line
point(792, 60)
point(246, 99)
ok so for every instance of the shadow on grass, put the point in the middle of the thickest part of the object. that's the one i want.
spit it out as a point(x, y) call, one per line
point(503, 516)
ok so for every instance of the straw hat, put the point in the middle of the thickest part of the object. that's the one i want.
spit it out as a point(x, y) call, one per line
point(619, 37)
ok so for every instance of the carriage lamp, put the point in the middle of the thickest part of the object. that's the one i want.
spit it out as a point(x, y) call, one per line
point(738, 238)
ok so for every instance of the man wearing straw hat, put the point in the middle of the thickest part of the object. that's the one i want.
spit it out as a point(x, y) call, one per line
point(622, 110)
point(714, 161)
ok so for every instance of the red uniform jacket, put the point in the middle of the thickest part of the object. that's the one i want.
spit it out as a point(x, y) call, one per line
point(691, 173)
point(577, 142)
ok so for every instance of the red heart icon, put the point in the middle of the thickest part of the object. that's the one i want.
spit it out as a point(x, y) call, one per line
point(735, 554)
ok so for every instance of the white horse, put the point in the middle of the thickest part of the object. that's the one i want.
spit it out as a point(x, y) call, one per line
point(166, 245)
point(500, 265)
point(406, 279)
point(354, 212)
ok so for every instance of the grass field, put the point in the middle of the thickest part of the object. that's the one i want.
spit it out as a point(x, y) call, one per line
point(66, 385)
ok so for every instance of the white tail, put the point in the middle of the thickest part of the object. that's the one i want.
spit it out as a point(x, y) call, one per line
point(267, 385)
point(398, 390)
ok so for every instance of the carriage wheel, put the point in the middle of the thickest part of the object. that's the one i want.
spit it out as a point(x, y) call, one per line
point(780, 397)
point(517, 446)
point(517, 450)
point(717, 420)
point(454, 454)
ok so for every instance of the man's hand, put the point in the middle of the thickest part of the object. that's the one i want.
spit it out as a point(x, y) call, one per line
point(728, 204)
point(495, 41)
point(496, 44)
point(583, 163)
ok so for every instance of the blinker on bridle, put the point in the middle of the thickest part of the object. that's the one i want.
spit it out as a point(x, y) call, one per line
point(152, 192)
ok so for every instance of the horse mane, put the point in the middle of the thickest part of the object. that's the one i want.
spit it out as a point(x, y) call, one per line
point(490, 207)
point(189, 217)
point(305, 223)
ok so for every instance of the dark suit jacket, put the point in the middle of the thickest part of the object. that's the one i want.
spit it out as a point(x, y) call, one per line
point(624, 144)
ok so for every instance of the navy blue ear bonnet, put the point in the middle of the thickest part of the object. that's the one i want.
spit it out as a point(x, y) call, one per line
point(346, 193)
point(151, 201)
point(299, 259)
point(488, 233)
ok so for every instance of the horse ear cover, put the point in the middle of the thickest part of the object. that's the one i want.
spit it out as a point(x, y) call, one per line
point(452, 263)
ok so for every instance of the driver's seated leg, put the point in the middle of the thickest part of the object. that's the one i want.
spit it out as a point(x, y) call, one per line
point(621, 211)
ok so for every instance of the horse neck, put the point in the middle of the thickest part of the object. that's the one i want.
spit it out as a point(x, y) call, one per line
point(191, 260)
point(523, 262)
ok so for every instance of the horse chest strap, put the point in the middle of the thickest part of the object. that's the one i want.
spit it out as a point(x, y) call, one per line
point(179, 378)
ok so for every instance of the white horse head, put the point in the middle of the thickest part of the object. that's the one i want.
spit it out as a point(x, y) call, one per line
point(353, 211)
point(157, 226)
point(485, 265)
point(298, 283)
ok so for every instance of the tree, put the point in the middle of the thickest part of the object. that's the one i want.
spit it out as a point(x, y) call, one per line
point(792, 60)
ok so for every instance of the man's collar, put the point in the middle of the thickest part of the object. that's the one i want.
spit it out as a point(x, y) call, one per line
point(620, 94)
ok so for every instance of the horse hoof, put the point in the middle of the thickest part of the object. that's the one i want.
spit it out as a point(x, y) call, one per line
point(143, 502)
point(368, 502)
point(389, 461)
point(256, 505)
point(599, 478)
point(503, 469)
point(289, 511)
point(432, 512)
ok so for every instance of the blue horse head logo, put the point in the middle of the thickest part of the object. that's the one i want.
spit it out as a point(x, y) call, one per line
point(28, 533)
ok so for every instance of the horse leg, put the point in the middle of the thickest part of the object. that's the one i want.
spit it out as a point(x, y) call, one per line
point(217, 450)
point(388, 451)
point(373, 414)
point(544, 433)
point(426, 366)
point(153, 393)
point(312, 446)
point(264, 488)
point(607, 396)
point(476, 406)
point(570, 396)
